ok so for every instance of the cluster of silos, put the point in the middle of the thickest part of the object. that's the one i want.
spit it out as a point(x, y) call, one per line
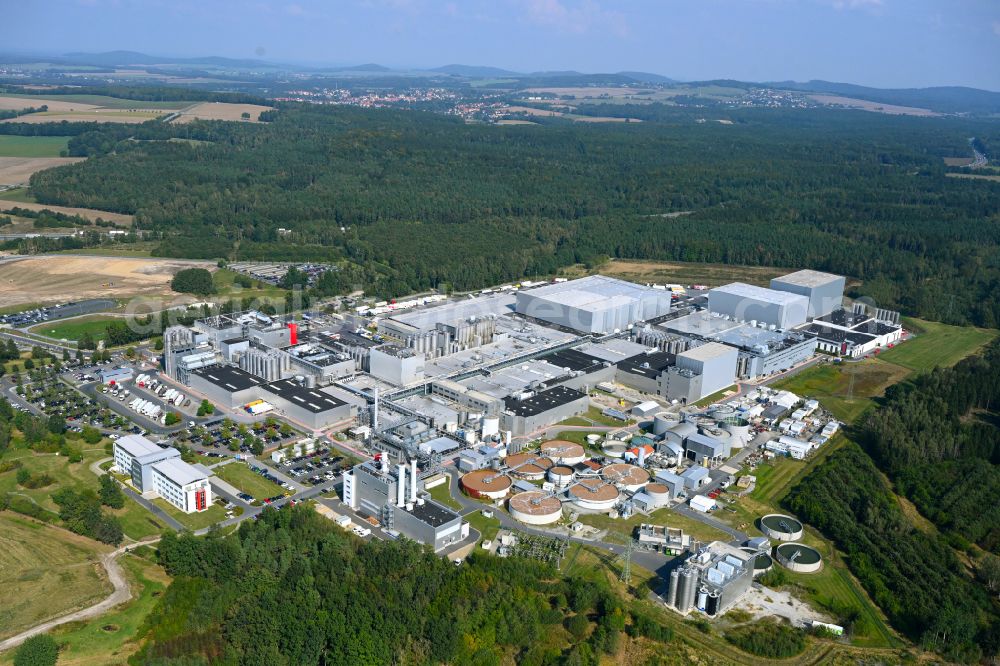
point(683, 589)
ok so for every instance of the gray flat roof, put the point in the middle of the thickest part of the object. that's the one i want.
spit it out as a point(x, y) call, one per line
point(179, 471)
point(708, 351)
point(744, 290)
point(137, 445)
point(433, 514)
point(426, 318)
point(314, 400)
point(592, 293)
point(809, 278)
point(228, 377)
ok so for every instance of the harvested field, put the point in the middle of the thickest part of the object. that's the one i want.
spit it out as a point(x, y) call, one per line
point(18, 103)
point(958, 161)
point(515, 122)
point(220, 111)
point(89, 213)
point(530, 111)
point(96, 115)
point(604, 119)
point(76, 277)
point(587, 92)
point(17, 170)
point(865, 105)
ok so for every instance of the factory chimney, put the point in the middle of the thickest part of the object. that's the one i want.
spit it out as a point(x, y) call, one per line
point(385, 462)
point(401, 485)
point(642, 455)
point(375, 413)
point(413, 480)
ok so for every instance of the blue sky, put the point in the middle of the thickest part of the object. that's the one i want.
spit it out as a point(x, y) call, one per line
point(889, 43)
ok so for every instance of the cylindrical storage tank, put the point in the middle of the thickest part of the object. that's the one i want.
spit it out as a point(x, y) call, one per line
point(712, 605)
point(561, 475)
point(722, 413)
point(486, 483)
point(675, 577)
point(663, 422)
point(535, 507)
point(798, 557)
point(593, 439)
point(781, 527)
point(680, 432)
point(614, 449)
point(685, 584)
point(762, 563)
point(561, 451)
point(692, 587)
point(740, 430)
point(594, 495)
point(659, 493)
point(623, 475)
point(528, 465)
point(702, 598)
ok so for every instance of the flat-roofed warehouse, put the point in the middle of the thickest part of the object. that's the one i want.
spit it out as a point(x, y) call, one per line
point(533, 412)
point(825, 291)
point(226, 385)
point(746, 302)
point(593, 304)
point(309, 406)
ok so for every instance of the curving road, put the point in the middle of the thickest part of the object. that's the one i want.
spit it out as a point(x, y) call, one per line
point(122, 593)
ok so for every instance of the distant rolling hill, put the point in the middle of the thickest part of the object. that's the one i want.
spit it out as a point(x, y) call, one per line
point(475, 71)
point(943, 99)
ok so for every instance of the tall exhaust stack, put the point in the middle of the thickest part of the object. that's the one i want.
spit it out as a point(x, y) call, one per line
point(385, 462)
point(413, 480)
point(642, 455)
point(375, 413)
point(401, 485)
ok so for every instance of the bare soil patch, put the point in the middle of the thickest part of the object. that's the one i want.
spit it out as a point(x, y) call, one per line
point(221, 111)
point(78, 277)
point(18, 103)
point(877, 107)
point(17, 170)
point(97, 115)
point(958, 161)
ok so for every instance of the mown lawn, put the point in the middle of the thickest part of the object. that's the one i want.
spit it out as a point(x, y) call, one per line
point(76, 328)
point(193, 521)
point(936, 344)
point(846, 389)
point(244, 478)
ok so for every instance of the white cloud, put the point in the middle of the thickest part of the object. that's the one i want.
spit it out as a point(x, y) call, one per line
point(576, 17)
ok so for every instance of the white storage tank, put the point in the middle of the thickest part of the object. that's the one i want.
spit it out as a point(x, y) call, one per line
point(564, 452)
point(535, 507)
point(594, 495)
point(561, 475)
point(663, 422)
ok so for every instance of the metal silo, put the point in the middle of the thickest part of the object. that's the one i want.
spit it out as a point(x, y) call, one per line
point(675, 576)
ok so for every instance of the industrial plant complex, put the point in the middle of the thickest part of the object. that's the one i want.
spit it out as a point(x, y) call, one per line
point(472, 386)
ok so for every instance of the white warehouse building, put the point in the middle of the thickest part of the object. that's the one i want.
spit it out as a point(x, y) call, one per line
point(825, 291)
point(593, 304)
point(746, 302)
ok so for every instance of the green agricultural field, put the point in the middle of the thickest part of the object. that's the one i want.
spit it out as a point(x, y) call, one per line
point(109, 640)
point(74, 329)
point(241, 476)
point(45, 572)
point(32, 146)
point(936, 344)
point(225, 285)
point(18, 194)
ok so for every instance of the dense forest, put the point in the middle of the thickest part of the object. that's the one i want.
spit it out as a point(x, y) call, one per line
point(421, 200)
point(938, 439)
point(291, 588)
point(913, 576)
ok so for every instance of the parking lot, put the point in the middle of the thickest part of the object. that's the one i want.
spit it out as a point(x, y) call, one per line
point(315, 468)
